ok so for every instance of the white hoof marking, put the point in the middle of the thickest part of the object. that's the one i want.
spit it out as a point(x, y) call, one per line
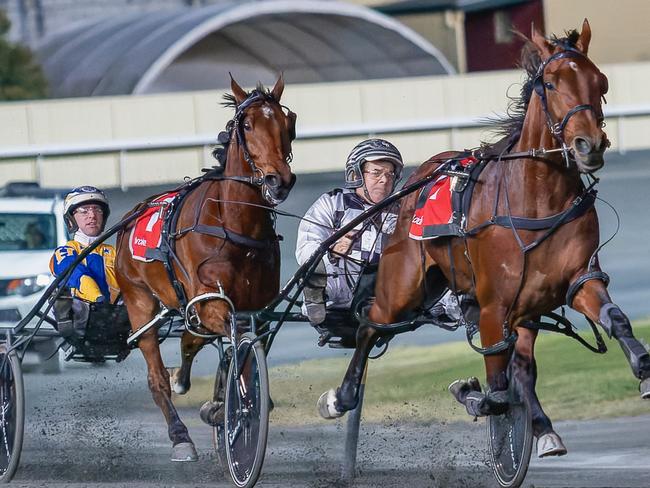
point(184, 452)
point(550, 445)
point(326, 405)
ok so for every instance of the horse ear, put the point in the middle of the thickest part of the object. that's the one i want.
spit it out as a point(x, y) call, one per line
point(237, 91)
point(544, 47)
point(585, 36)
point(278, 88)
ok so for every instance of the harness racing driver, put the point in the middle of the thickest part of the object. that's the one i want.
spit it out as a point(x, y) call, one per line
point(85, 211)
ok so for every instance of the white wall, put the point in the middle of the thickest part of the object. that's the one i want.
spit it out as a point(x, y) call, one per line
point(324, 106)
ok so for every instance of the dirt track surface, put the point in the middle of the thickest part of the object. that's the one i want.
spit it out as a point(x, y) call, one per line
point(99, 427)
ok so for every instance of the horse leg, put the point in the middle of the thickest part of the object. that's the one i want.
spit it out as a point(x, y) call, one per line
point(142, 307)
point(396, 292)
point(180, 378)
point(468, 392)
point(593, 301)
point(524, 368)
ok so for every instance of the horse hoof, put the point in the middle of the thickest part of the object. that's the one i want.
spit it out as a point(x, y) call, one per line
point(327, 405)
point(644, 388)
point(550, 445)
point(184, 452)
point(212, 413)
point(176, 386)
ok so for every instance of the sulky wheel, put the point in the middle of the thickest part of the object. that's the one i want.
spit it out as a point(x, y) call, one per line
point(510, 439)
point(12, 413)
point(246, 420)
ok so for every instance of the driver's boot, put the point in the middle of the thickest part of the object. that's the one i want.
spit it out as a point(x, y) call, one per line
point(314, 294)
point(63, 312)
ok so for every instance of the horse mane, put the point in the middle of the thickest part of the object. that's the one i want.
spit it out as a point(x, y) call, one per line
point(510, 125)
point(230, 101)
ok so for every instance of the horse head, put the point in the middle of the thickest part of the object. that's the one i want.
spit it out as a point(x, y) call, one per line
point(262, 132)
point(571, 89)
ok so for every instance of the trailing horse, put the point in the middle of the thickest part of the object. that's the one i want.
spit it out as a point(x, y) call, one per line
point(218, 244)
point(528, 243)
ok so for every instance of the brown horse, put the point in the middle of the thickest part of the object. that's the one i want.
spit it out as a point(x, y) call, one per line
point(223, 241)
point(514, 275)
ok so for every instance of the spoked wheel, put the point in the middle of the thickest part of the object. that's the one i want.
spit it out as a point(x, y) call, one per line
point(510, 439)
point(12, 413)
point(247, 412)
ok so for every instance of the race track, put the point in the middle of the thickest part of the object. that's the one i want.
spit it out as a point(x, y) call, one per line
point(97, 426)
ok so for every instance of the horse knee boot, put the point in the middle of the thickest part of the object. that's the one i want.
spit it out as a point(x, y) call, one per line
point(617, 325)
point(478, 404)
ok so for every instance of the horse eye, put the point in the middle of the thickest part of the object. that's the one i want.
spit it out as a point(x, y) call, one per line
point(247, 126)
point(549, 85)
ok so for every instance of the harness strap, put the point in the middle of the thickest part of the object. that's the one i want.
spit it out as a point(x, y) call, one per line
point(578, 208)
point(499, 347)
point(575, 286)
point(234, 237)
point(562, 325)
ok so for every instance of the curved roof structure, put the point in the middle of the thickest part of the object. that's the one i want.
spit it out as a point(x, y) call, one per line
point(193, 49)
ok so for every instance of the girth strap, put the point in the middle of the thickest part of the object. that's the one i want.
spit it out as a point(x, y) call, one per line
point(575, 286)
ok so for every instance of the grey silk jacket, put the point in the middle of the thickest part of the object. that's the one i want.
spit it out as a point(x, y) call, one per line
point(333, 210)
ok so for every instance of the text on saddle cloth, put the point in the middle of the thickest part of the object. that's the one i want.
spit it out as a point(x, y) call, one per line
point(435, 215)
point(145, 237)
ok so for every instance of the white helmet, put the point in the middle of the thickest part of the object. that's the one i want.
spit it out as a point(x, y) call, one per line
point(371, 150)
point(83, 195)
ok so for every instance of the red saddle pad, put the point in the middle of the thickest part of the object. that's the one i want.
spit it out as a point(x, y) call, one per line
point(146, 232)
point(435, 210)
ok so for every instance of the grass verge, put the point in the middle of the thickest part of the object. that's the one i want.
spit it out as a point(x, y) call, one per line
point(410, 383)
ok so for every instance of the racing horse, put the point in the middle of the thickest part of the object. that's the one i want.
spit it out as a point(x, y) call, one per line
point(514, 272)
point(222, 243)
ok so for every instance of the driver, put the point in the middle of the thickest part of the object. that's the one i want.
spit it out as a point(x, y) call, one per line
point(85, 211)
point(372, 171)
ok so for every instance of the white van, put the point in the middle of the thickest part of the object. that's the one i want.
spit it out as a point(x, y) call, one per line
point(31, 227)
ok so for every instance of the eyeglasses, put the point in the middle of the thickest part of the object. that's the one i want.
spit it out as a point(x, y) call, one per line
point(84, 211)
point(376, 174)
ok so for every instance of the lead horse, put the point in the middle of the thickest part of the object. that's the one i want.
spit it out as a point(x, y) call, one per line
point(221, 243)
point(514, 273)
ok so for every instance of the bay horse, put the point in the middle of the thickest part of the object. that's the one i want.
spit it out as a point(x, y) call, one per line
point(514, 275)
point(223, 240)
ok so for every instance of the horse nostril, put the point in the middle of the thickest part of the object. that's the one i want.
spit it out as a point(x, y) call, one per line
point(582, 145)
point(272, 181)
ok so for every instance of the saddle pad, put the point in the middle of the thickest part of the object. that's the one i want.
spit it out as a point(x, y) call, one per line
point(433, 209)
point(145, 235)
point(435, 215)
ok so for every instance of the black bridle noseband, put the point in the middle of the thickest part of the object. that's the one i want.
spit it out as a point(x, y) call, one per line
point(540, 87)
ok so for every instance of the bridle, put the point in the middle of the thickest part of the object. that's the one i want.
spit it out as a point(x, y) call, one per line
point(540, 87)
point(258, 179)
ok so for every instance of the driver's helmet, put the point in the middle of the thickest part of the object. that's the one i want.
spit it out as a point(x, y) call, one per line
point(371, 150)
point(83, 195)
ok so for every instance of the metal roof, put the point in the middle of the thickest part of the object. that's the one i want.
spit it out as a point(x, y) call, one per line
point(175, 50)
point(403, 7)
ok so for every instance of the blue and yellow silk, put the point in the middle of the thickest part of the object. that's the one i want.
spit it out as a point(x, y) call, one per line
point(93, 279)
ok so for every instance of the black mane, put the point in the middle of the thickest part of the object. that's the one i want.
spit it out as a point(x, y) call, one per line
point(510, 125)
point(229, 98)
